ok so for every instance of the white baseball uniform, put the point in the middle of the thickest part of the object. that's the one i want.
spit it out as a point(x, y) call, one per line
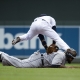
point(43, 25)
point(35, 60)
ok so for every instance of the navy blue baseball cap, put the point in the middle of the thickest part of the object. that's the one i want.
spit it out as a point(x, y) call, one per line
point(43, 14)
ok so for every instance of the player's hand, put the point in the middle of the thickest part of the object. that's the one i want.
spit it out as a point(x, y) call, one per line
point(15, 41)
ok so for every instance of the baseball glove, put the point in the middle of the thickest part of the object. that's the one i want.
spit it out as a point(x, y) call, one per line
point(52, 48)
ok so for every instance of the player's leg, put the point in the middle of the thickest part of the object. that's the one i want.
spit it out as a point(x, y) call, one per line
point(10, 60)
point(54, 36)
point(34, 61)
point(35, 29)
point(31, 33)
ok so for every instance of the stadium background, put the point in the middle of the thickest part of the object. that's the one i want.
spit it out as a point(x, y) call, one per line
point(20, 13)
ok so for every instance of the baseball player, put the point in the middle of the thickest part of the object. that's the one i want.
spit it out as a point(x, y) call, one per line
point(43, 25)
point(53, 59)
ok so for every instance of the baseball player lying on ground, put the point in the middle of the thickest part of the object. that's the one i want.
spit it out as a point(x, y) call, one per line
point(52, 58)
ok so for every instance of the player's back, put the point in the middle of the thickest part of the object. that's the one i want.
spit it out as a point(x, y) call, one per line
point(59, 55)
point(50, 20)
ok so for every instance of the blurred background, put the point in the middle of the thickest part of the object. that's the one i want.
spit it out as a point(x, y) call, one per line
point(16, 17)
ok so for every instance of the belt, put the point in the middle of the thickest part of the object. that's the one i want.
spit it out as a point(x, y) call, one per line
point(42, 60)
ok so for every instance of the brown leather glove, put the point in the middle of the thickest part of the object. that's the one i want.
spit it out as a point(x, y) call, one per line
point(52, 48)
point(15, 41)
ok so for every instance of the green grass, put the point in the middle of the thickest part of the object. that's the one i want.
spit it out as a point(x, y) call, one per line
point(12, 73)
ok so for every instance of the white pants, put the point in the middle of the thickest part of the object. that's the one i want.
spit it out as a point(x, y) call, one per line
point(42, 27)
point(34, 61)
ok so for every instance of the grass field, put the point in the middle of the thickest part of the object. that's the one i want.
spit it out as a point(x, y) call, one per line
point(12, 73)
